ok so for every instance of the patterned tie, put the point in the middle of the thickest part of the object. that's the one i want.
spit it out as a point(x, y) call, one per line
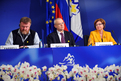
point(62, 38)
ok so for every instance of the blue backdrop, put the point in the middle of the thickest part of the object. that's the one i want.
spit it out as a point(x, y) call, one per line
point(12, 10)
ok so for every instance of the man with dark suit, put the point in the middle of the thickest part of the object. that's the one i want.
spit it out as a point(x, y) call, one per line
point(60, 36)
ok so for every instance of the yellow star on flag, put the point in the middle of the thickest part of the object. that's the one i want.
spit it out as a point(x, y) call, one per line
point(47, 0)
point(53, 11)
point(53, 7)
point(52, 17)
point(50, 21)
point(50, 2)
point(47, 22)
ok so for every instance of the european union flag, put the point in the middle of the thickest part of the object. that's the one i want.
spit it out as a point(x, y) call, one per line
point(50, 16)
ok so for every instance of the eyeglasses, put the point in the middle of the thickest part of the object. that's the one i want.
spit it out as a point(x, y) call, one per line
point(99, 24)
point(60, 23)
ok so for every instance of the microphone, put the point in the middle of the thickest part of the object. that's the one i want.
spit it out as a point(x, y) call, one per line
point(116, 38)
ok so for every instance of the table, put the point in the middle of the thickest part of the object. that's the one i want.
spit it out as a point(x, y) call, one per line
point(90, 55)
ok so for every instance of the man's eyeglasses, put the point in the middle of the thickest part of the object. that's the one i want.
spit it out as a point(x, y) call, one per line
point(60, 23)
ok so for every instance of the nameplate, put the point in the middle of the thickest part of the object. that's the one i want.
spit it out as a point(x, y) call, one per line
point(9, 47)
point(53, 45)
point(103, 44)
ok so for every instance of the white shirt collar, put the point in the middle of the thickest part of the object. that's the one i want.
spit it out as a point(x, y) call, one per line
point(60, 32)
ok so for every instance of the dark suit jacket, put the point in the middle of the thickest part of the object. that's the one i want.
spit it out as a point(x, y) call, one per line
point(54, 38)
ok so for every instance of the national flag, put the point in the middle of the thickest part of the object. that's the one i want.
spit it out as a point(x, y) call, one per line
point(50, 16)
point(69, 11)
point(76, 26)
point(62, 11)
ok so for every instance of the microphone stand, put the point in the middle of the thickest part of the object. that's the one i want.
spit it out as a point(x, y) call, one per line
point(116, 38)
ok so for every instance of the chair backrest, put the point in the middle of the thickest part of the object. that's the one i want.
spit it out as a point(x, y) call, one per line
point(86, 37)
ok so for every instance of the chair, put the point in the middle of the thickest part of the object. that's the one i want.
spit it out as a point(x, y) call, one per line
point(86, 37)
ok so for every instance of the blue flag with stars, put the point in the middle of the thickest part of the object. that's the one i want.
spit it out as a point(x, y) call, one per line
point(50, 16)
